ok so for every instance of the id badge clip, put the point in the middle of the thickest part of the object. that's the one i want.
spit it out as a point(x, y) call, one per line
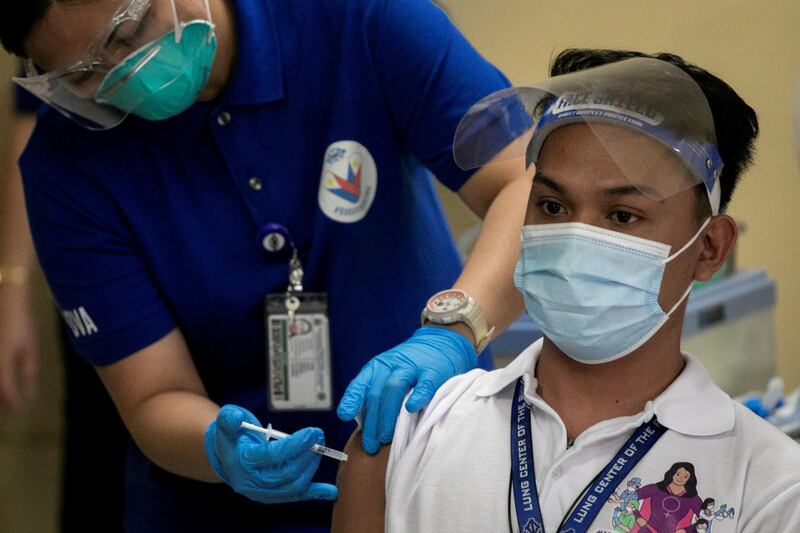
point(298, 347)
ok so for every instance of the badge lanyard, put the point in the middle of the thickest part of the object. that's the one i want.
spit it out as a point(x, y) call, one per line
point(593, 497)
point(297, 335)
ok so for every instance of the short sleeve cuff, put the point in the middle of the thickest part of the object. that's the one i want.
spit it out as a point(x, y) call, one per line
point(112, 347)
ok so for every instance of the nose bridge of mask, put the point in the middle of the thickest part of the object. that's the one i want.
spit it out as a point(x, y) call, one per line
point(542, 232)
point(643, 247)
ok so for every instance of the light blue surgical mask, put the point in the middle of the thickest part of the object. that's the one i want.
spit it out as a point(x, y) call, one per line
point(165, 77)
point(594, 292)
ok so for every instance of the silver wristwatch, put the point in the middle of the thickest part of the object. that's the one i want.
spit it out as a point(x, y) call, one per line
point(454, 305)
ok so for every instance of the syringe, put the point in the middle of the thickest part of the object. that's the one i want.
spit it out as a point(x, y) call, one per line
point(277, 435)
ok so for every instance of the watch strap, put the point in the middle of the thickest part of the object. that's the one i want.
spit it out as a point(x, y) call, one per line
point(472, 316)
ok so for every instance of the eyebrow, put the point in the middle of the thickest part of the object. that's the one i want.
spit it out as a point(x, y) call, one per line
point(624, 190)
point(548, 182)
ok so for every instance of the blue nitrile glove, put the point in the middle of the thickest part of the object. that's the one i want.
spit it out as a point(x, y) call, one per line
point(277, 471)
point(425, 361)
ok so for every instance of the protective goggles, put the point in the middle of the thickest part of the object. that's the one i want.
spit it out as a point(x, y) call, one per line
point(132, 32)
point(649, 96)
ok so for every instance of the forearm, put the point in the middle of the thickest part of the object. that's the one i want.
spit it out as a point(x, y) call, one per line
point(488, 275)
point(164, 405)
point(170, 427)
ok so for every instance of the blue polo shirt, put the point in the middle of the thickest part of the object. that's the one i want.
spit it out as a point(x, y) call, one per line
point(152, 226)
point(25, 102)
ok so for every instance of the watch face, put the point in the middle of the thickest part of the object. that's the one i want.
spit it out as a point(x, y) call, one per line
point(444, 302)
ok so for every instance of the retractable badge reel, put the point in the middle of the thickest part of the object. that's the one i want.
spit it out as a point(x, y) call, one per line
point(297, 334)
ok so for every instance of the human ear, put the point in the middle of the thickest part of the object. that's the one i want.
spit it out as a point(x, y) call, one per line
point(718, 241)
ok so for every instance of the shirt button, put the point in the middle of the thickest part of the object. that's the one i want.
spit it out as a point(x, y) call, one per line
point(255, 183)
point(224, 118)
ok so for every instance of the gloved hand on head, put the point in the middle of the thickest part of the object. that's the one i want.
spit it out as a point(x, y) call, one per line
point(277, 471)
point(425, 361)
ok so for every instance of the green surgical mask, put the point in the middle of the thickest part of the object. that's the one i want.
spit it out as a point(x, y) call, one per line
point(165, 77)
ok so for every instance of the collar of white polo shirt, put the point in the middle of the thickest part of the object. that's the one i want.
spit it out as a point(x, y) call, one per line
point(692, 404)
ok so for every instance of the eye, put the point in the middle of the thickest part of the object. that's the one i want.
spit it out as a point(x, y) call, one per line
point(551, 207)
point(126, 30)
point(83, 82)
point(129, 28)
point(623, 217)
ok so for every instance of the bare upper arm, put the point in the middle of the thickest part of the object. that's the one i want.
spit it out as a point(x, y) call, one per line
point(362, 496)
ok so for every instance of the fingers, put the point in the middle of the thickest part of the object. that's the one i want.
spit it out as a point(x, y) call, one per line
point(355, 394)
point(423, 393)
point(372, 409)
point(292, 476)
point(282, 470)
point(321, 491)
point(230, 418)
point(294, 486)
point(397, 386)
point(296, 446)
point(314, 491)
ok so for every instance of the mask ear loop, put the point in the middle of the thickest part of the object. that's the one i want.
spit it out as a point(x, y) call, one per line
point(689, 243)
point(178, 28)
point(679, 252)
point(210, 21)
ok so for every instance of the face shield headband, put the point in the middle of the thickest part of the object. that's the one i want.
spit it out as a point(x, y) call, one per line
point(649, 96)
point(148, 46)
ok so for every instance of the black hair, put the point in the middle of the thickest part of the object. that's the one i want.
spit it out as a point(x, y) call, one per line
point(691, 483)
point(706, 502)
point(17, 19)
point(735, 122)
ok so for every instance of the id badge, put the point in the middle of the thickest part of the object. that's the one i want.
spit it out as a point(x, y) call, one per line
point(299, 353)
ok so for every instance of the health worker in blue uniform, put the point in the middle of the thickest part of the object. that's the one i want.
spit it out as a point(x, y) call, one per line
point(261, 225)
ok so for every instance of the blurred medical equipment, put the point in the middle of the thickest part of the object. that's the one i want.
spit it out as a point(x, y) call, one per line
point(729, 327)
point(316, 448)
point(779, 409)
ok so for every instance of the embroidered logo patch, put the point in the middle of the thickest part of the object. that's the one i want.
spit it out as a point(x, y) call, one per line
point(348, 182)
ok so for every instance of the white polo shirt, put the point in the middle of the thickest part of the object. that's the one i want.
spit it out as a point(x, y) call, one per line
point(450, 465)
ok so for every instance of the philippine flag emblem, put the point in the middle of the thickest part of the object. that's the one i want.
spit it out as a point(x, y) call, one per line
point(350, 188)
point(348, 183)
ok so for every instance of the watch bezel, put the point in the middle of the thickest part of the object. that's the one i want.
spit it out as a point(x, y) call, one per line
point(447, 317)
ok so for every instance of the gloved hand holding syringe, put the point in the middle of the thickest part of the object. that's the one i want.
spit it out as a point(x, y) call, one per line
point(277, 435)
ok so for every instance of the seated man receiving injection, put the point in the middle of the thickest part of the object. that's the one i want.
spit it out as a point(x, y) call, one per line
point(636, 157)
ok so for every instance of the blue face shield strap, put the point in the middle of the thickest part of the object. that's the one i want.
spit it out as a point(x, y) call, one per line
point(649, 96)
point(701, 158)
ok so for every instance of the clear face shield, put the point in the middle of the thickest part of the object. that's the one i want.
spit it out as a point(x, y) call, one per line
point(150, 47)
point(648, 96)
